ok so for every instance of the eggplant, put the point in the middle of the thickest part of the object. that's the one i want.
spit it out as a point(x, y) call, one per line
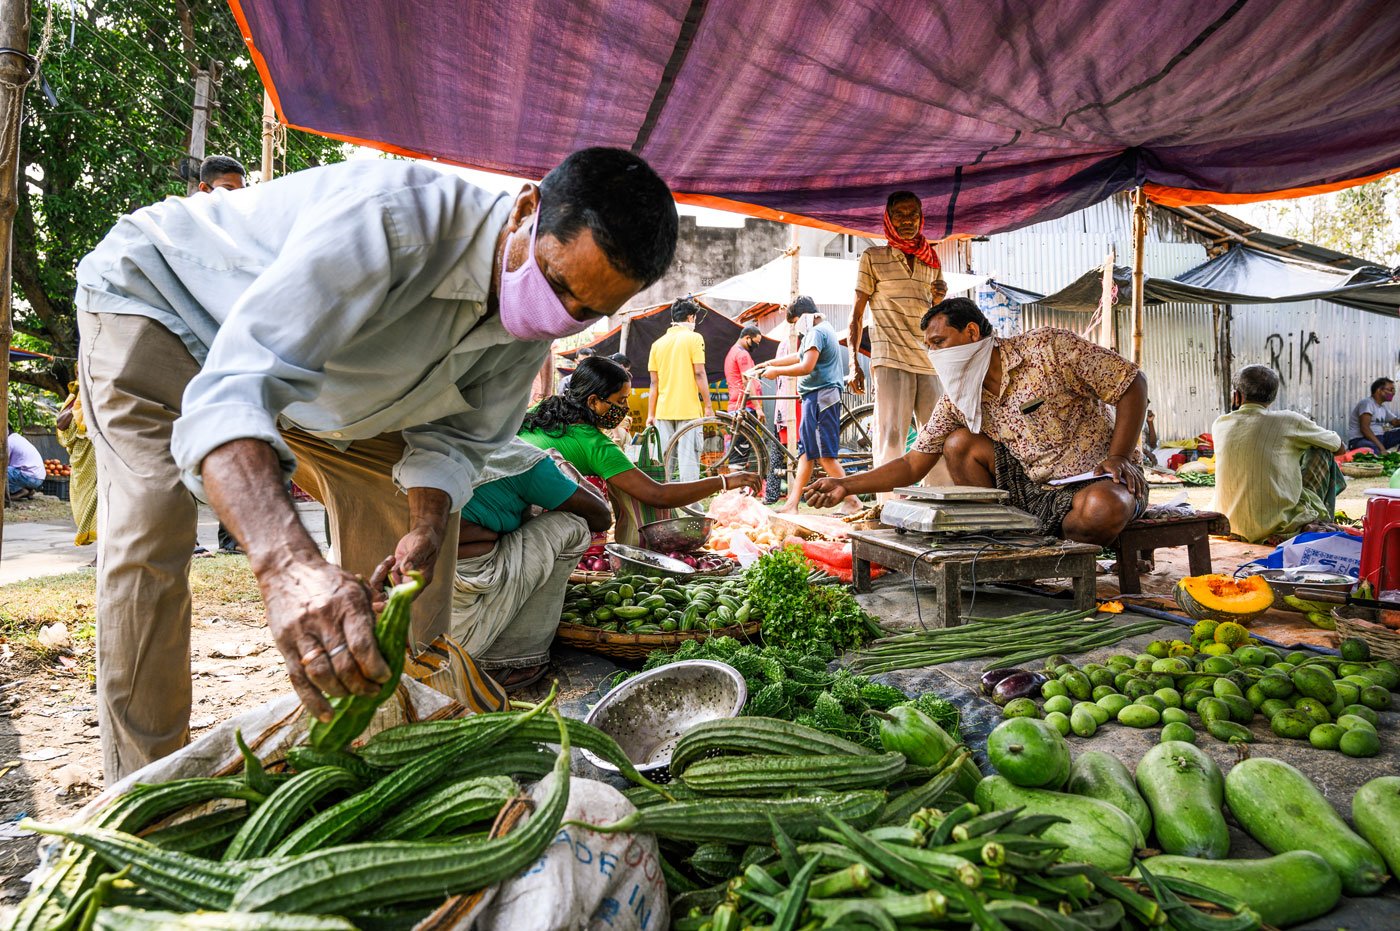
point(992, 676)
point(1020, 684)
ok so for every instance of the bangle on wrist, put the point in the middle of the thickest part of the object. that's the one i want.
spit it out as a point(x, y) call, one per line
point(723, 482)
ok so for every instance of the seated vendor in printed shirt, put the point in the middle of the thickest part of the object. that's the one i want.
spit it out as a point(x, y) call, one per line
point(1022, 411)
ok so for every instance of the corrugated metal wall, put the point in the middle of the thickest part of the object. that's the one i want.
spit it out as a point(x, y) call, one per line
point(1327, 355)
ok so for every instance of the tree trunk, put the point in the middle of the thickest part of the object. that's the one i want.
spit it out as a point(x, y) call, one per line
point(16, 69)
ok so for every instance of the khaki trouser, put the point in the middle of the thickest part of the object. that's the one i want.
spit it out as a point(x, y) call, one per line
point(900, 397)
point(133, 375)
point(506, 602)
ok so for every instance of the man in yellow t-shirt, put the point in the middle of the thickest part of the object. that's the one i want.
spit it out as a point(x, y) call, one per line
point(679, 391)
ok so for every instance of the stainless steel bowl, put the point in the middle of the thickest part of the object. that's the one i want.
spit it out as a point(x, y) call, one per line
point(676, 534)
point(648, 713)
point(638, 561)
point(1288, 581)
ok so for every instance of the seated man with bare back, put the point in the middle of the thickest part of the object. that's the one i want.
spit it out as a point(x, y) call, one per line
point(1018, 413)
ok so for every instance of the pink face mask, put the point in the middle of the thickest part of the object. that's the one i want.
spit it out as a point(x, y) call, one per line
point(530, 310)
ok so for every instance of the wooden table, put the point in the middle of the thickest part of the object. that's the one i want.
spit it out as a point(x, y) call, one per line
point(944, 567)
point(1145, 536)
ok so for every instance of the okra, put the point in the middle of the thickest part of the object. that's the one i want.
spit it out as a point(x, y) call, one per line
point(946, 864)
point(1026, 915)
point(757, 735)
point(352, 713)
point(770, 775)
point(889, 861)
point(742, 821)
point(903, 807)
point(368, 875)
point(1142, 908)
point(989, 823)
point(957, 816)
point(839, 856)
point(354, 814)
point(293, 799)
point(859, 913)
point(796, 899)
point(920, 908)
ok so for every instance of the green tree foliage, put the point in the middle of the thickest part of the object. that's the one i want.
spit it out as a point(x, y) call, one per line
point(105, 133)
point(1363, 221)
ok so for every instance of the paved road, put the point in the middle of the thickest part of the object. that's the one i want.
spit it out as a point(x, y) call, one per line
point(38, 549)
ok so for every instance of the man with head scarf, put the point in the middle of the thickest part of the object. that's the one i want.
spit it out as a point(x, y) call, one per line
point(898, 282)
point(1045, 415)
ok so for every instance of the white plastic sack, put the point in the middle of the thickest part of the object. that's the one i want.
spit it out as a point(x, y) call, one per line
point(1333, 552)
point(585, 881)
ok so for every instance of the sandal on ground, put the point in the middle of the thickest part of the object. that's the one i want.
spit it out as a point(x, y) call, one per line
point(522, 677)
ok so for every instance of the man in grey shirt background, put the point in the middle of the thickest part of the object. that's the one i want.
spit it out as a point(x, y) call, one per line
point(369, 329)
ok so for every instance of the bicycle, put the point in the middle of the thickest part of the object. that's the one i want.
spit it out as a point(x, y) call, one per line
point(747, 443)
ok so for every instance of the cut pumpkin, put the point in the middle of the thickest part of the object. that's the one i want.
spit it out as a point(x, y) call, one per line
point(1223, 598)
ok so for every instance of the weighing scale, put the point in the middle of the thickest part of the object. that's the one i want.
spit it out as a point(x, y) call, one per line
point(955, 509)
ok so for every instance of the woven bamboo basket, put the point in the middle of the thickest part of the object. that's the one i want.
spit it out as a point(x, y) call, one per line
point(1362, 469)
point(640, 646)
point(1358, 623)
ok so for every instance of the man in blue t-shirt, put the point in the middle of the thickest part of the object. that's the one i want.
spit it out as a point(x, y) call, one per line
point(822, 368)
point(512, 568)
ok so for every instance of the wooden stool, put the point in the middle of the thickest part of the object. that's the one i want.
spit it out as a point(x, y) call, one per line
point(944, 567)
point(1143, 537)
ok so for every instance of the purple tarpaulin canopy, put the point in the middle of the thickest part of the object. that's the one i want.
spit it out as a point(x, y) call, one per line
point(998, 113)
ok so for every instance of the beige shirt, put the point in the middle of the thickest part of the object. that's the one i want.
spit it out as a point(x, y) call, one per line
point(1259, 473)
point(1069, 433)
point(898, 299)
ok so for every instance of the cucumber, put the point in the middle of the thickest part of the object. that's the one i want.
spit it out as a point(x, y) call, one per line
point(1096, 774)
point(1029, 752)
point(1183, 787)
point(1285, 889)
point(1283, 810)
point(1096, 832)
point(1375, 809)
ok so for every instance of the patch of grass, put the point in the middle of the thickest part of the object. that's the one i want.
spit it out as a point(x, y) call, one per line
point(221, 586)
point(40, 509)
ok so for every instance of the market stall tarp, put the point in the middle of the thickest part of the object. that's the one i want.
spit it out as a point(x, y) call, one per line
point(1240, 276)
point(825, 280)
point(647, 327)
point(998, 113)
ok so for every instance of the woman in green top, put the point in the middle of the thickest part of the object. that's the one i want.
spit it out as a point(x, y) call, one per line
point(512, 568)
point(573, 423)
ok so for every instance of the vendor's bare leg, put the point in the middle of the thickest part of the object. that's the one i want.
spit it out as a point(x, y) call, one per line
point(971, 458)
point(799, 482)
point(1099, 514)
point(368, 516)
point(133, 374)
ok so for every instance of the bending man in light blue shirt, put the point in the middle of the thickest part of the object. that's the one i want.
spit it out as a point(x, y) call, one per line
point(368, 328)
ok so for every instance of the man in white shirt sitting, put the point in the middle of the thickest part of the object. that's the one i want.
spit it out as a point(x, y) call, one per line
point(1366, 426)
point(371, 329)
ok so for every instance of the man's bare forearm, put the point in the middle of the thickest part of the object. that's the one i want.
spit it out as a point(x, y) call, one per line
point(1130, 413)
point(428, 509)
point(243, 479)
point(906, 470)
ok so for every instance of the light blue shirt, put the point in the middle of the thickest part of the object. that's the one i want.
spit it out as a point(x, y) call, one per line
point(831, 368)
point(349, 300)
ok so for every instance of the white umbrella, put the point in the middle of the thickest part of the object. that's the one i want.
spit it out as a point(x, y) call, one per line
point(825, 280)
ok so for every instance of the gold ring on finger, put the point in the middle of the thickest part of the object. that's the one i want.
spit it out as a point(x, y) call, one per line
point(310, 656)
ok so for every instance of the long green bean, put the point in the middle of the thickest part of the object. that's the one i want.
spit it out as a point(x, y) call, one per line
point(1019, 638)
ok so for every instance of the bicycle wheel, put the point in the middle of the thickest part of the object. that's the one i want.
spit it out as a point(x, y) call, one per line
point(858, 437)
point(721, 445)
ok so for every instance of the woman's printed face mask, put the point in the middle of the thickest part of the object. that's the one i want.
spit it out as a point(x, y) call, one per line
point(613, 416)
